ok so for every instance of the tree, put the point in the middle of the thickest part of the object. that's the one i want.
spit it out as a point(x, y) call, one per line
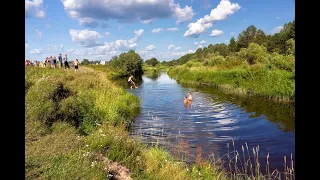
point(85, 62)
point(128, 63)
point(247, 36)
point(260, 37)
point(232, 45)
point(152, 62)
point(290, 46)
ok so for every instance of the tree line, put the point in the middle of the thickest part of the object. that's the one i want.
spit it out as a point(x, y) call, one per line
point(282, 43)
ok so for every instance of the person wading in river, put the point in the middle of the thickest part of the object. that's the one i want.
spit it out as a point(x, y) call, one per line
point(131, 83)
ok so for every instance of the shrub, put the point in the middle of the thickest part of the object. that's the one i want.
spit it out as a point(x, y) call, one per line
point(254, 54)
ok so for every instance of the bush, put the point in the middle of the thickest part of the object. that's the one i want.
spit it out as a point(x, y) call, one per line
point(285, 62)
point(215, 60)
point(254, 54)
point(128, 63)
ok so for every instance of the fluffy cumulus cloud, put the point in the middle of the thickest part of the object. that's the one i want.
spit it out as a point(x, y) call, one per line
point(183, 14)
point(36, 51)
point(195, 43)
point(202, 42)
point(110, 48)
point(216, 32)
point(107, 33)
point(170, 47)
point(85, 37)
point(150, 48)
point(34, 8)
point(173, 47)
point(277, 29)
point(126, 10)
point(221, 12)
point(200, 46)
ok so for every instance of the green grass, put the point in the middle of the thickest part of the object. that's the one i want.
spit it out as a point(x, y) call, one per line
point(72, 117)
point(275, 84)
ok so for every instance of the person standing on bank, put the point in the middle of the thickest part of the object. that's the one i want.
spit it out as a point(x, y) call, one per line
point(60, 60)
point(76, 65)
point(66, 64)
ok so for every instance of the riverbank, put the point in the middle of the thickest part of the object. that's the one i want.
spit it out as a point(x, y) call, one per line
point(77, 128)
point(74, 118)
point(277, 85)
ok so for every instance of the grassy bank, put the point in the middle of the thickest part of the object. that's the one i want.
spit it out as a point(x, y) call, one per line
point(258, 80)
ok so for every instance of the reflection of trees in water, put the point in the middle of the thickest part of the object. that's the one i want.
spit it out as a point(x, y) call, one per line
point(281, 114)
point(152, 74)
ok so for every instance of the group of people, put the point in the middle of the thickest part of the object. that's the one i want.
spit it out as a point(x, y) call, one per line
point(188, 100)
point(54, 62)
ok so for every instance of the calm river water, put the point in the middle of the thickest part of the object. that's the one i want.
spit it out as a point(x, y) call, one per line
point(213, 120)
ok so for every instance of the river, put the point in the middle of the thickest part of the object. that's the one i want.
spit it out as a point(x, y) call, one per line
point(213, 121)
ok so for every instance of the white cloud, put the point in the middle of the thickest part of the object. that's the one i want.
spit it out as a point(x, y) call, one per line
point(148, 21)
point(216, 32)
point(26, 45)
point(232, 33)
point(177, 48)
point(36, 51)
point(150, 48)
point(202, 42)
point(88, 22)
point(85, 37)
point(221, 12)
point(183, 14)
point(123, 45)
point(127, 10)
point(278, 18)
point(38, 32)
point(34, 8)
point(200, 46)
point(173, 29)
point(195, 43)
point(157, 30)
point(107, 33)
point(190, 51)
point(277, 29)
point(170, 47)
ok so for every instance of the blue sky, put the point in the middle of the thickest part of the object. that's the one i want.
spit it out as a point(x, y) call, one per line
point(165, 29)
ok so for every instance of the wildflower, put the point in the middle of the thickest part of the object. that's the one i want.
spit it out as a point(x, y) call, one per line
point(87, 145)
point(103, 135)
point(187, 169)
point(199, 174)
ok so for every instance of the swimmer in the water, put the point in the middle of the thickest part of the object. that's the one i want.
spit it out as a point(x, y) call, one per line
point(185, 102)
